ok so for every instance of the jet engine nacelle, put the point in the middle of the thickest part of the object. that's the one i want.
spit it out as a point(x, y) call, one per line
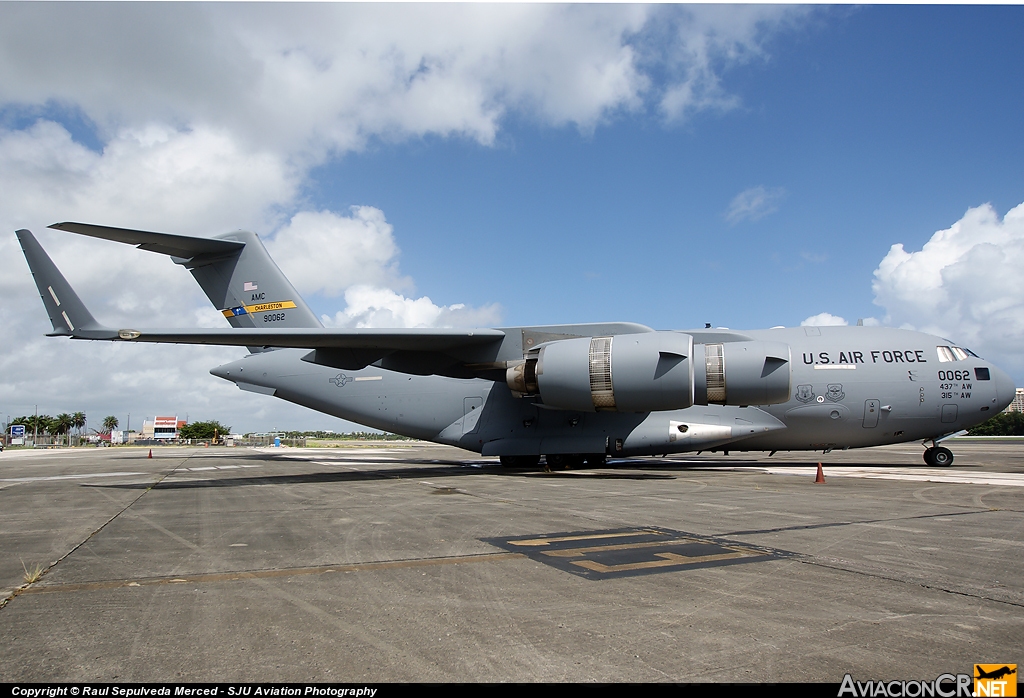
point(645, 372)
point(651, 372)
point(743, 373)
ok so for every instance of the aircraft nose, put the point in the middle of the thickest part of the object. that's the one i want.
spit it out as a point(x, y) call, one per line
point(1005, 388)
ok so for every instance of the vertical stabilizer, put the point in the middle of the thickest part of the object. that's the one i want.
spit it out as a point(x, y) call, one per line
point(248, 287)
point(234, 270)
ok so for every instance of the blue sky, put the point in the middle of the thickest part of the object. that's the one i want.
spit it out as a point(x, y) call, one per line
point(746, 166)
point(880, 125)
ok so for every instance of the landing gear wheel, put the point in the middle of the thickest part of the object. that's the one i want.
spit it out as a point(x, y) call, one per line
point(938, 457)
point(520, 461)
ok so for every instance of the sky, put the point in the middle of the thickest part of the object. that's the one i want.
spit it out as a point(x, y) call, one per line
point(501, 165)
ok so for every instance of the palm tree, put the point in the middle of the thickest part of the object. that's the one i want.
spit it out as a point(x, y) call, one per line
point(78, 422)
point(109, 424)
point(63, 423)
point(33, 424)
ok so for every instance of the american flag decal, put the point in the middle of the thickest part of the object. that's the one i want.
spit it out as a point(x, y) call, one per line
point(249, 286)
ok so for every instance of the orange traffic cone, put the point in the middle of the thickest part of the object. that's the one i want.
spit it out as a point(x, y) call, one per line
point(150, 453)
point(820, 477)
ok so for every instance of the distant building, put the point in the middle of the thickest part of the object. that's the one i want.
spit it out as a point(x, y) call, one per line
point(165, 428)
point(1018, 402)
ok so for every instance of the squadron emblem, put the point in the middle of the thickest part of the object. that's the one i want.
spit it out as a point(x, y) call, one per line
point(835, 392)
point(804, 393)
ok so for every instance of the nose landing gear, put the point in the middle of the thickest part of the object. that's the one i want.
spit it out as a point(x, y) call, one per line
point(938, 456)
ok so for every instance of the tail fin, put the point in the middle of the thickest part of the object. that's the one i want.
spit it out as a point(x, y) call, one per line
point(234, 270)
point(68, 314)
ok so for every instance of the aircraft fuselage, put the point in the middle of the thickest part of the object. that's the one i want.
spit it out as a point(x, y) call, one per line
point(850, 387)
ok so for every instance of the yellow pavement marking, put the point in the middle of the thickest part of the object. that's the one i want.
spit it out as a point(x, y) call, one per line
point(573, 552)
point(532, 542)
point(670, 560)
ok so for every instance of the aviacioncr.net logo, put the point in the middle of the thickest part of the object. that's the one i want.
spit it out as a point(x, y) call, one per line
point(945, 686)
point(995, 680)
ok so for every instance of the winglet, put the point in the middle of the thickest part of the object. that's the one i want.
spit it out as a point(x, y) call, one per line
point(68, 314)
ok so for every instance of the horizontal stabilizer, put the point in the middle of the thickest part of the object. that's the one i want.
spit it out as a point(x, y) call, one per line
point(68, 314)
point(164, 243)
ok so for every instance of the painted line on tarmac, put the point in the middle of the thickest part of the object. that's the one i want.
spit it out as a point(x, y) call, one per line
point(956, 477)
point(314, 453)
point(67, 477)
point(265, 574)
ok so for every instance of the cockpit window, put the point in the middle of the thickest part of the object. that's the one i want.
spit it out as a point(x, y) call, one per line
point(982, 373)
point(953, 354)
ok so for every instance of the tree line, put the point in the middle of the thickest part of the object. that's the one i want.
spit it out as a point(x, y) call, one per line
point(1002, 424)
point(60, 425)
point(64, 423)
point(204, 430)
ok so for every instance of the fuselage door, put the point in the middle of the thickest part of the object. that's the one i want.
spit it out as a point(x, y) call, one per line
point(949, 413)
point(870, 413)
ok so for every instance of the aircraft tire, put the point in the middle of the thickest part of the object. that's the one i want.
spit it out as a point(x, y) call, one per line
point(520, 461)
point(938, 457)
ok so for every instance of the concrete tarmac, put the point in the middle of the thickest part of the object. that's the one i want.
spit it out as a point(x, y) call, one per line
point(416, 562)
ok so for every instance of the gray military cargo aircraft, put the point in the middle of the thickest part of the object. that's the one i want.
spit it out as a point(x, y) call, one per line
point(572, 393)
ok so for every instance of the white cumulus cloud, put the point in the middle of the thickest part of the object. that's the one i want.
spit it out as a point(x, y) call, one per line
point(369, 306)
point(324, 252)
point(965, 283)
point(310, 79)
point(706, 39)
point(823, 320)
